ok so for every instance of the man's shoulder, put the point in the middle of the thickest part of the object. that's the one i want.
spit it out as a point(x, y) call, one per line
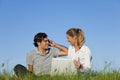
point(32, 52)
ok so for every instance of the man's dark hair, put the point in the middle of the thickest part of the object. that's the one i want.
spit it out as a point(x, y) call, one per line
point(39, 37)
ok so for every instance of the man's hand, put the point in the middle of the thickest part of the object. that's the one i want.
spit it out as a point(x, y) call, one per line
point(52, 43)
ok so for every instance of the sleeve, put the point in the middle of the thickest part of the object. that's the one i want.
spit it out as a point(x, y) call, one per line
point(55, 51)
point(29, 58)
point(85, 61)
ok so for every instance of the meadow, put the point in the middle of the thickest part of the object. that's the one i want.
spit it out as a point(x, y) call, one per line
point(106, 74)
point(93, 75)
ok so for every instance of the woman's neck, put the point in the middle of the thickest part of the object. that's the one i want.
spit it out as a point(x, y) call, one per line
point(76, 48)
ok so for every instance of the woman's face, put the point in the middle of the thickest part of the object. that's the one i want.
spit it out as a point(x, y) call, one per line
point(71, 40)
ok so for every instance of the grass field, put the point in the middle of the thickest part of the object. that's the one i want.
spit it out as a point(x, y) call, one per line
point(112, 75)
point(106, 74)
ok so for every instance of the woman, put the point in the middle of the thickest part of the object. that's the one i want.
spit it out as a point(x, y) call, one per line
point(78, 51)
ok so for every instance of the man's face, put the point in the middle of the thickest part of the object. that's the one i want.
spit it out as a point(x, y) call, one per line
point(44, 43)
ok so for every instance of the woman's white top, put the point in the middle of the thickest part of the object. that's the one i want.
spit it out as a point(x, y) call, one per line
point(83, 54)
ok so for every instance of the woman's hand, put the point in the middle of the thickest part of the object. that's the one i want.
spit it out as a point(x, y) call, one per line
point(77, 63)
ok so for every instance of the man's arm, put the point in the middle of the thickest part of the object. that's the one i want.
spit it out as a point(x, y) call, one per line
point(63, 49)
point(30, 68)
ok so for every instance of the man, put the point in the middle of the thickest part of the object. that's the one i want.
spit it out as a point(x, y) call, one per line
point(39, 60)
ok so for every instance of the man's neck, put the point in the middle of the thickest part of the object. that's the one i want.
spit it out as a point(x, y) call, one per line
point(41, 50)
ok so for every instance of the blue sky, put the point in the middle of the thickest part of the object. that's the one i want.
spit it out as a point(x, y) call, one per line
point(20, 20)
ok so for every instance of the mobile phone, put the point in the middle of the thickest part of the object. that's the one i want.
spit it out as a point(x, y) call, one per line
point(49, 43)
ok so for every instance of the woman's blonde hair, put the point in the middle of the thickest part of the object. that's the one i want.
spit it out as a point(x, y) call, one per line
point(79, 34)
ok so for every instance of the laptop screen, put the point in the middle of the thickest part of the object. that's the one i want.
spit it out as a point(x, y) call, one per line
point(62, 66)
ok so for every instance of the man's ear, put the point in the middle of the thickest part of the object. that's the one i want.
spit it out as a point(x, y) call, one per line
point(38, 43)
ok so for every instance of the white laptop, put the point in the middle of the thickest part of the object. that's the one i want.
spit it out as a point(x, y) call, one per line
point(63, 66)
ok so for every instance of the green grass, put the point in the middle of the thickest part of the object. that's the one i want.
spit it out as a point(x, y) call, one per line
point(106, 74)
point(110, 75)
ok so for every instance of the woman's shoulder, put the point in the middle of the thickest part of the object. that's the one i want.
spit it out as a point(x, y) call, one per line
point(85, 49)
point(71, 47)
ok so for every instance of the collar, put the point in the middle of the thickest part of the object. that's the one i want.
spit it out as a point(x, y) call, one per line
point(39, 53)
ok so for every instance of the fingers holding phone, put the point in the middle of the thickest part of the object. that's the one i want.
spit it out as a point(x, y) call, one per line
point(51, 43)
